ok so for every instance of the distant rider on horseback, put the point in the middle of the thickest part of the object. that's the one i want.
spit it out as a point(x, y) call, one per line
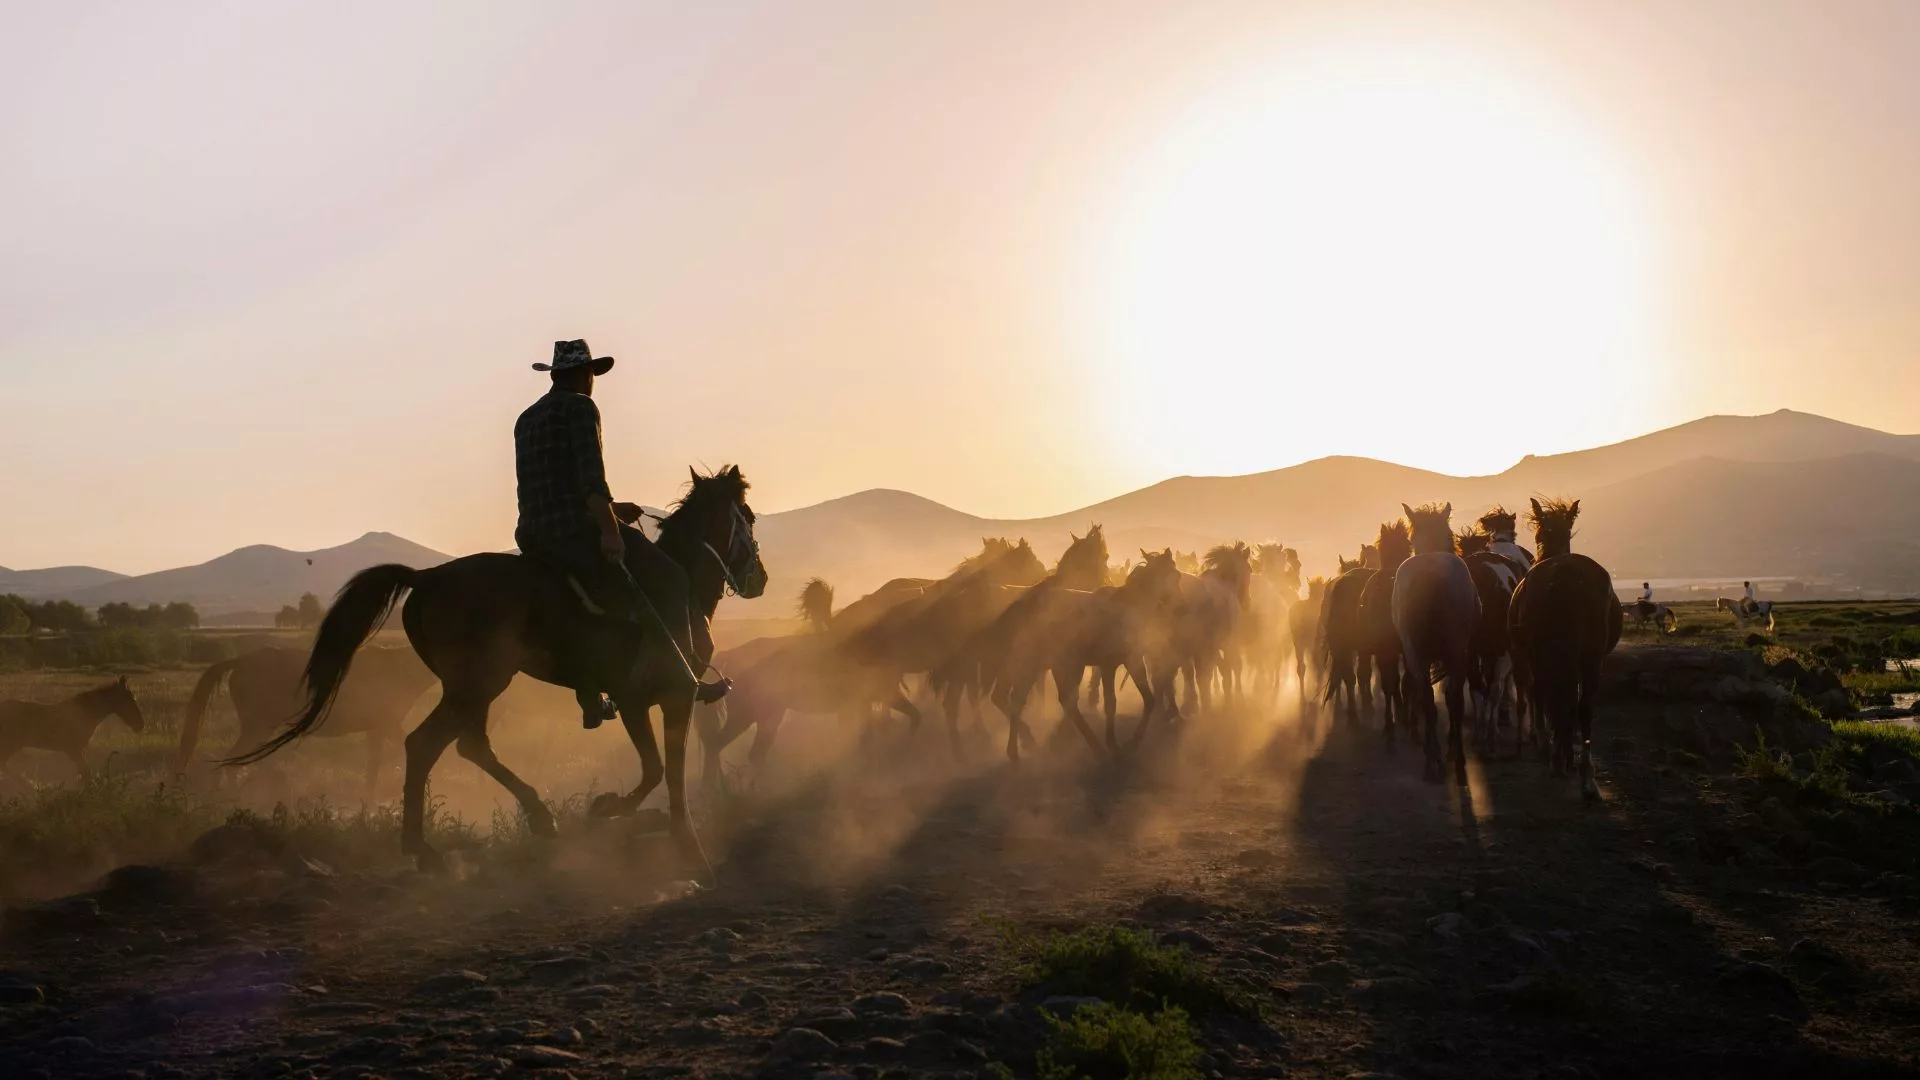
point(1747, 604)
point(570, 521)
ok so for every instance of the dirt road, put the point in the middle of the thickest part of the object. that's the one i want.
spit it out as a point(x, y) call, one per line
point(1389, 926)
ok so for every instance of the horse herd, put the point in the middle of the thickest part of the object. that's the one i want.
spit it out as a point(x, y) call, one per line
point(1419, 607)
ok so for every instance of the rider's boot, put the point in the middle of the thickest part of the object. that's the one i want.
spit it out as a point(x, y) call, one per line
point(595, 708)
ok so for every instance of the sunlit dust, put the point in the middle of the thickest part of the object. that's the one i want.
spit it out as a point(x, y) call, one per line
point(1360, 250)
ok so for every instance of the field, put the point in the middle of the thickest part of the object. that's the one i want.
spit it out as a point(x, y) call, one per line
point(1264, 895)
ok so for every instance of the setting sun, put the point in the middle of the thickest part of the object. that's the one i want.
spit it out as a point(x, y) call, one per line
point(1384, 219)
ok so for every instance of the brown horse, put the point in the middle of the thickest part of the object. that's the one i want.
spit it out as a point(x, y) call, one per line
point(1435, 610)
point(265, 687)
point(1379, 642)
point(66, 727)
point(849, 669)
point(1347, 666)
point(1014, 644)
point(1303, 619)
point(1565, 619)
point(1202, 637)
point(480, 620)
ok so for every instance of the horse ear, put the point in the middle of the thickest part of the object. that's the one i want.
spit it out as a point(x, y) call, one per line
point(693, 474)
point(1407, 510)
point(1446, 510)
point(1536, 506)
point(1576, 506)
point(734, 472)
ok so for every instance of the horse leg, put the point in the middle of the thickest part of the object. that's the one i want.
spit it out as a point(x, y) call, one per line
point(1110, 698)
point(639, 724)
point(1589, 679)
point(424, 745)
point(1456, 720)
point(79, 758)
point(1012, 702)
point(475, 746)
point(676, 711)
point(950, 699)
point(376, 756)
point(1066, 683)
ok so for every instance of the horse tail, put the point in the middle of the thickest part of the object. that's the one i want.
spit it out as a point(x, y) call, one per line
point(362, 605)
point(816, 603)
point(197, 703)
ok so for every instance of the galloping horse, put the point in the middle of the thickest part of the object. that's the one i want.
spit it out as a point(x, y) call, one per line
point(265, 687)
point(1203, 623)
point(66, 727)
point(1303, 619)
point(1347, 665)
point(1761, 609)
point(1648, 615)
point(479, 620)
point(1379, 641)
point(1435, 609)
point(1565, 620)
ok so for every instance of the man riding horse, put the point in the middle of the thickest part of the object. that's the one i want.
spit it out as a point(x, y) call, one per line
point(570, 522)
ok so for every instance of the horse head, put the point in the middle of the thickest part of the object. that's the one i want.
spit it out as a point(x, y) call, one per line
point(1155, 580)
point(1234, 564)
point(1018, 565)
point(1553, 525)
point(1084, 564)
point(1370, 556)
point(816, 603)
point(1317, 586)
point(116, 699)
point(1430, 527)
point(714, 515)
point(1471, 542)
point(1395, 545)
point(1498, 524)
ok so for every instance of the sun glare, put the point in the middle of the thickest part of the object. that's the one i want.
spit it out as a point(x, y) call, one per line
point(1378, 251)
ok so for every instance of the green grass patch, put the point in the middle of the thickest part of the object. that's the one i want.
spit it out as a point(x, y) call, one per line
point(1126, 967)
point(1104, 1042)
point(1862, 733)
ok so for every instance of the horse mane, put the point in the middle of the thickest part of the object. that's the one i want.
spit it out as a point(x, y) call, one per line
point(1497, 520)
point(1227, 556)
point(726, 486)
point(815, 604)
point(1430, 527)
point(1370, 555)
point(1317, 586)
point(1396, 543)
point(1087, 556)
point(991, 548)
point(1347, 564)
point(1470, 541)
point(1553, 522)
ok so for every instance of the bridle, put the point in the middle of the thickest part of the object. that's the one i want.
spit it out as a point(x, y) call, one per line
point(734, 526)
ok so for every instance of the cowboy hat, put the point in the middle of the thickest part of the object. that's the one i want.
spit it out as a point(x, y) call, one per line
point(573, 354)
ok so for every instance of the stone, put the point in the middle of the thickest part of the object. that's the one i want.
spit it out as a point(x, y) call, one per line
point(1331, 973)
point(21, 993)
point(543, 1057)
point(1449, 925)
point(447, 983)
point(925, 967)
point(1191, 940)
point(802, 1044)
point(559, 970)
point(1309, 994)
point(881, 1004)
point(1764, 985)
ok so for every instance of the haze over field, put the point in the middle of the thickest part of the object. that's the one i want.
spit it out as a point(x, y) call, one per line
point(274, 278)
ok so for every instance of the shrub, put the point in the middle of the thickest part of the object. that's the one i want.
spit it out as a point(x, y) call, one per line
point(1103, 1042)
point(1126, 966)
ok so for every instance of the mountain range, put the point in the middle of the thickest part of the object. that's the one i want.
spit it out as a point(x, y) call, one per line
point(1784, 495)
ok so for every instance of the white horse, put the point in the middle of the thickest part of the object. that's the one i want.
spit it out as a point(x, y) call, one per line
point(1762, 609)
point(1645, 613)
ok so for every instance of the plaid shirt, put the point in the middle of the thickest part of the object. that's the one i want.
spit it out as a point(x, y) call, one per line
point(556, 458)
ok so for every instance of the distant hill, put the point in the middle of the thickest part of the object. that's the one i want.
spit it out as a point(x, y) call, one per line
point(1782, 495)
point(1711, 497)
point(53, 581)
point(259, 578)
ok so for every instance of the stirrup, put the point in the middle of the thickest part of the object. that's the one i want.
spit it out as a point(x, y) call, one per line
point(708, 693)
point(593, 718)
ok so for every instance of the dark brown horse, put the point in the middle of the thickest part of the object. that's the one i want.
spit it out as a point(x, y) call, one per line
point(66, 727)
point(480, 620)
point(1379, 642)
point(1202, 638)
point(265, 687)
point(1435, 610)
point(1348, 667)
point(1565, 619)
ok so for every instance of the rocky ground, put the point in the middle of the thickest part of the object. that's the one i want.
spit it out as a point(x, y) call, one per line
point(1695, 923)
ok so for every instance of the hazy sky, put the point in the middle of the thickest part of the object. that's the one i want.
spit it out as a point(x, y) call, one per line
point(274, 272)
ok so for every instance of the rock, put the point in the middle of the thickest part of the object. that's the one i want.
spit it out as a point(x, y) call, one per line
point(878, 955)
point(1890, 797)
point(925, 967)
point(881, 1004)
point(1817, 962)
point(1064, 1005)
point(943, 1046)
point(1833, 704)
point(1276, 944)
point(1392, 990)
point(1191, 940)
point(236, 841)
point(1835, 869)
point(883, 1047)
point(559, 970)
point(21, 994)
point(543, 1057)
point(71, 1044)
point(447, 983)
point(1685, 759)
point(1449, 925)
point(720, 939)
point(1764, 985)
point(62, 916)
point(1331, 973)
point(802, 1044)
point(1309, 994)
point(752, 999)
point(138, 883)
